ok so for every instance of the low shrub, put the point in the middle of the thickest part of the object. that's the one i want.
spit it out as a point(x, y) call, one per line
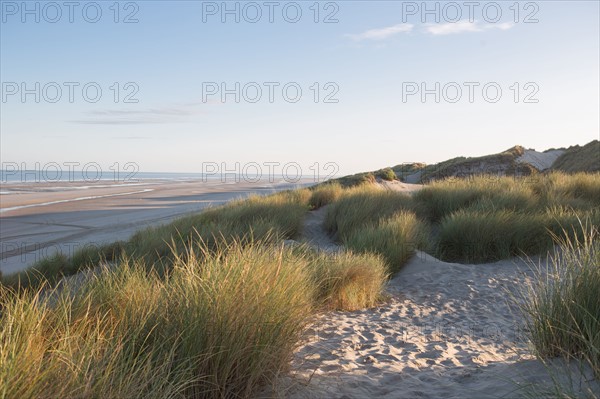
point(386, 174)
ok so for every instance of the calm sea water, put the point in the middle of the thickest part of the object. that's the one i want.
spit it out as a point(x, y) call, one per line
point(80, 180)
point(91, 176)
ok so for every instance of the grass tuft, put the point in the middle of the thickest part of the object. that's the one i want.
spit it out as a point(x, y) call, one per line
point(347, 281)
point(325, 194)
point(221, 325)
point(361, 206)
point(562, 302)
point(394, 238)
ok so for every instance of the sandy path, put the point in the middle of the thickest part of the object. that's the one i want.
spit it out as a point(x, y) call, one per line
point(446, 331)
point(315, 235)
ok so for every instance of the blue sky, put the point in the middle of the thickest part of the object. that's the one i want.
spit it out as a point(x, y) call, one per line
point(370, 57)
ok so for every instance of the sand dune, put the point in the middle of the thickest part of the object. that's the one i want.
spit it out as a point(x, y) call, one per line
point(540, 160)
point(447, 330)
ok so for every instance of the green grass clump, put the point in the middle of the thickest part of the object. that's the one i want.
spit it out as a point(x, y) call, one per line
point(394, 238)
point(580, 191)
point(478, 236)
point(562, 302)
point(347, 281)
point(488, 218)
point(441, 198)
point(386, 174)
point(358, 179)
point(361, 206)
point(325, 194)
point(223, 322)
point(220, 326)
point(274, 217)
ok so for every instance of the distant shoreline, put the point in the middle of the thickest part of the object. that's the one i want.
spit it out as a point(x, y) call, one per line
point(39, 220)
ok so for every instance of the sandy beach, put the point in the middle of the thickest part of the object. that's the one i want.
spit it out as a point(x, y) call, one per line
point(36, 220)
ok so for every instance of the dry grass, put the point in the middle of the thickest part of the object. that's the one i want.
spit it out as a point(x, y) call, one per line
point(562, 307)
point(222, 325)
point(395, 239)
point(361, 206)
point(348, 281)
point(325, 194)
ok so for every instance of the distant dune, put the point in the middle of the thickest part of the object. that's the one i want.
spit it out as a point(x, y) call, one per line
point(516, 161)
point(580, 159)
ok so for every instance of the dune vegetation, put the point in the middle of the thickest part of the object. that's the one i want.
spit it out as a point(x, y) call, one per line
point(325, 194)
point(561, 306)
point(580, 158)
point(209, 306)
point(214, 304)
point(221, 325)
point(474, 220)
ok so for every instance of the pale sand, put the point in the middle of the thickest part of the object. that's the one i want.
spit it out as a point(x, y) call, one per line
point(540, 160)
point(52, 221)
point(399, 186)
point(446, 331)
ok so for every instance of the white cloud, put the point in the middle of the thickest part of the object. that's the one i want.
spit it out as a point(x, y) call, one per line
point(383, 33)
point(141, 116)
point(463, 26)
point(452, 27)
point(433, 29)
point(503, 26)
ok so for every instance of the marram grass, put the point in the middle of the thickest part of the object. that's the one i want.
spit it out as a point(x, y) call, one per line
point(395, 238)
point(220, 326)
point(223, 322)
point(561, 306)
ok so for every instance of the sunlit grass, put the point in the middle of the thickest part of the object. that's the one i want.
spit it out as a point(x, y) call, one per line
point(220, 325)
point(561, 305)
point(325, 194)
point(361, 206)
point(395, 238)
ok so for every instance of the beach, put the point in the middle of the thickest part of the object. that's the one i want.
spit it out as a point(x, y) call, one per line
point(436, 327)
point(39, 219)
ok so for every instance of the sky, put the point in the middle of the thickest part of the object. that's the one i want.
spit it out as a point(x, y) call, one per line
point(344, 86)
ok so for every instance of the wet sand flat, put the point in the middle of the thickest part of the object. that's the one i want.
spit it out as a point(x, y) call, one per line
point(38, 220)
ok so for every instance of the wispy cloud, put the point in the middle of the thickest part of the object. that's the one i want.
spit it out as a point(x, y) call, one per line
point(382, 33)
point(171, 114)
point(150, 111)
point(133, 138)
point(147, 121)
point(463, 26)
point(449, 28)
